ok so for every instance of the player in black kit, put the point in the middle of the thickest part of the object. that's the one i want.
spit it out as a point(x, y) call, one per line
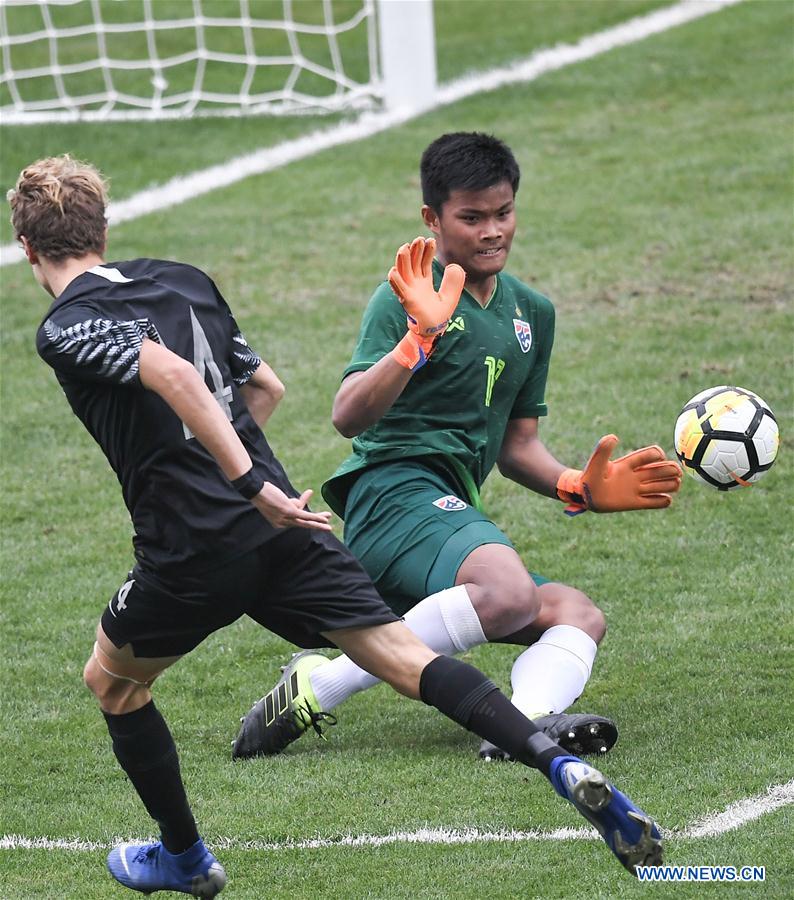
point(152, 362)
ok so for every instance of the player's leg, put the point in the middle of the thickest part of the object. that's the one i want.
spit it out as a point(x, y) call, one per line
point(493, 599)
point(410, 544)
point(446, 621)
point(145, 750)
point(552, 673)
point(398, 525)
point(480, 558)
point(564, 637)
point(466, 696)
point(301, 699)
point(312, 583)
point(120, 672)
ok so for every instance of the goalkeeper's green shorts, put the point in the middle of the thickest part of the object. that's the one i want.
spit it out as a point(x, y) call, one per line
point(411, 531)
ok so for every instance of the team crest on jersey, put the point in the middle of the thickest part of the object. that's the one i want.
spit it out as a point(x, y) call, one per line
point(449, 503)
point(523, 334)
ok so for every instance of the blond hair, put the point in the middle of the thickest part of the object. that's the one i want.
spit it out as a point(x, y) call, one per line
point(58, 205)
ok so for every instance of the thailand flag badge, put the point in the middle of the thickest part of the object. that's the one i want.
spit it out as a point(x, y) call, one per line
point(523, 333)
point(449, 503)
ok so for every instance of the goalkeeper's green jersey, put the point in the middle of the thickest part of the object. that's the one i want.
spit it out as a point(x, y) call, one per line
point(489, 366)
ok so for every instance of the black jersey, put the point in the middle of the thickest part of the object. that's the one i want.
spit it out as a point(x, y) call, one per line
point(184, 510)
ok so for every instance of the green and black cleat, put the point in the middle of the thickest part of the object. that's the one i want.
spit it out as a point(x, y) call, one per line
point(285, 713)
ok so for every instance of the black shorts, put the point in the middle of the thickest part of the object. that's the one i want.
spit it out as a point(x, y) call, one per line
point(299, 584)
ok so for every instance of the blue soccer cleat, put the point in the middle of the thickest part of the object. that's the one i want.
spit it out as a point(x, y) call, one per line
point(150, 867)
point(629, 833)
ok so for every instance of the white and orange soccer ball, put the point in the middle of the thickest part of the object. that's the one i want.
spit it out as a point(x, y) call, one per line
point(726, 437)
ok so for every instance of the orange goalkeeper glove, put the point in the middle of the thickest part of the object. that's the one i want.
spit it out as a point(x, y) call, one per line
point(643, 479)
point(411, 278)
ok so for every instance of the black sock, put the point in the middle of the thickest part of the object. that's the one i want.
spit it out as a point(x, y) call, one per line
point(146, 751)
point(469, 698)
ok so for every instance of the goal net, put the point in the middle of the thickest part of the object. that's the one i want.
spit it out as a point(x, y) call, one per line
point(110, 60)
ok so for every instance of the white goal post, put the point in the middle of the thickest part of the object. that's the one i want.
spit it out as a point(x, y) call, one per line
point(115, 60)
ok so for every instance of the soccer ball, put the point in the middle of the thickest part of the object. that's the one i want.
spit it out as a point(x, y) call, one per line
point(726, 437)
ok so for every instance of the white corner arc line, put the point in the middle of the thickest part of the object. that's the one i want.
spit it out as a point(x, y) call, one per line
point(731, 818)
point(187, 187)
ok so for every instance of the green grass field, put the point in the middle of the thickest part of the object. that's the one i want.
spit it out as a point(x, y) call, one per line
point(656, 210)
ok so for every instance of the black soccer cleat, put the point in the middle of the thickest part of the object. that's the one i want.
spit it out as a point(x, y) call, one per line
point(284, 713)
point(581, 734)
point(491, 753)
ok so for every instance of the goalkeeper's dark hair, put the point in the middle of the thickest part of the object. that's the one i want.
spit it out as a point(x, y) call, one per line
point(58, 205)
point(465, 160)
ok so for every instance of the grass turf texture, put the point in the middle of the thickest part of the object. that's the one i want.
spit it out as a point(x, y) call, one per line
point(655, 211)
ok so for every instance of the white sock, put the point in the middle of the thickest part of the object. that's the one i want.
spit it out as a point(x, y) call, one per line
point(446, 622)
point(552, 673)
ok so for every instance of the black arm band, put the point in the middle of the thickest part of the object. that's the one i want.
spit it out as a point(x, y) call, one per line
point(249, 485)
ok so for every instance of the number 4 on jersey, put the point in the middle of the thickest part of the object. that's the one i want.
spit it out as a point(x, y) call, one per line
point(203, 362)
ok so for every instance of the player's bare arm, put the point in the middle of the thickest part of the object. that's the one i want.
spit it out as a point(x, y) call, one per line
point(177, 382)
point(525, 459)
point(262, 393)
point(182, 388)
point(365, 397)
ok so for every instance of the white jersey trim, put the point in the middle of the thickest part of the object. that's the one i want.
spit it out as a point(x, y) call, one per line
point(110, 274)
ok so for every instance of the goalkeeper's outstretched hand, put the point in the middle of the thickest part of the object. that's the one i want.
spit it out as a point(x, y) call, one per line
point(411, 278)
point(642, 479)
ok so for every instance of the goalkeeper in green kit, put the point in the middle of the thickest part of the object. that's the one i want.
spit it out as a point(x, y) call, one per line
point(447, 380)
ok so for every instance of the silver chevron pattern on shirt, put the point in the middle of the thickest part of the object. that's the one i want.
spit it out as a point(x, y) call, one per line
point(249, 359)
point(112, 347)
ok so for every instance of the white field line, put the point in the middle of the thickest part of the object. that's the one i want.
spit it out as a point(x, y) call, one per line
point(741, 812)
point(186, 187)
point(732, 817)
